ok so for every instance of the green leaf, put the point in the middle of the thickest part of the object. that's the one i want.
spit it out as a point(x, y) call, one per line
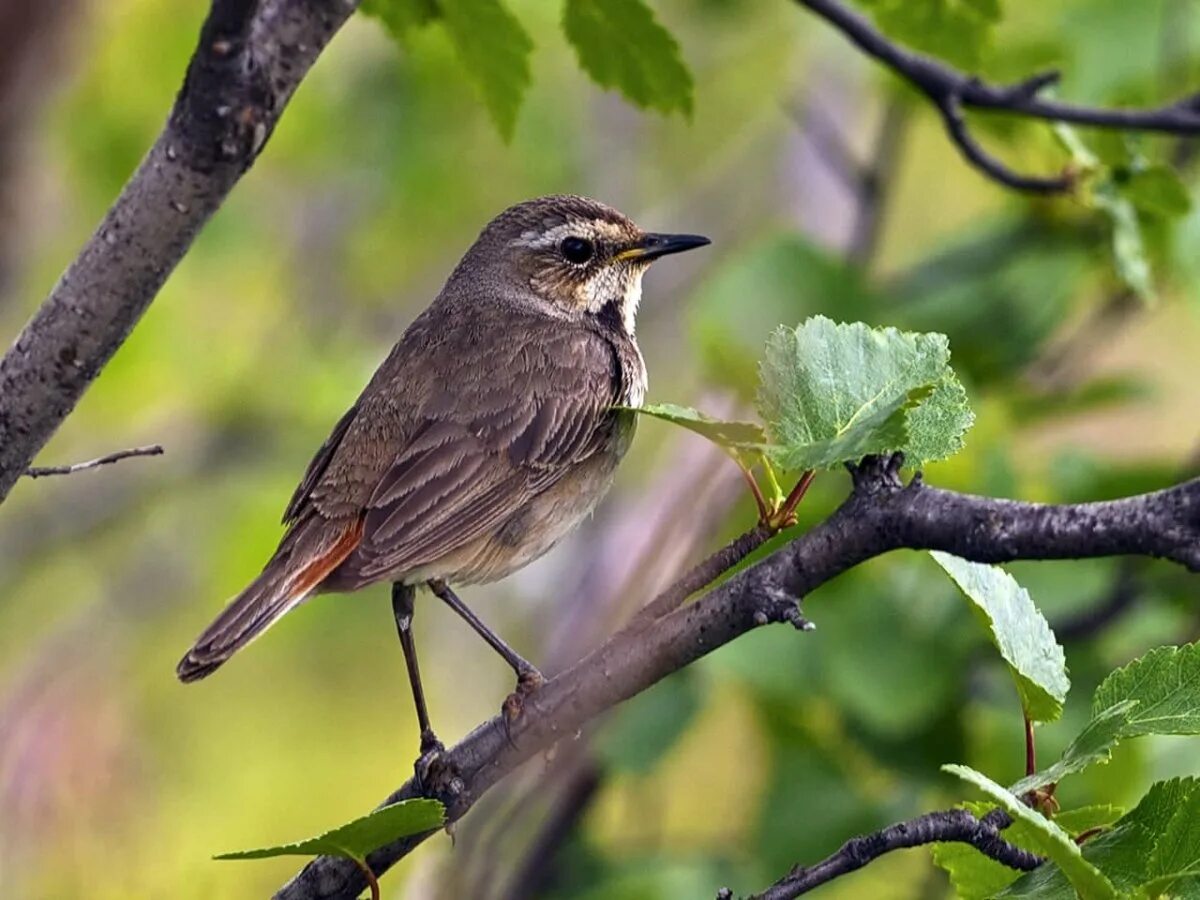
point(1019, 631)
point(1125, 854)
point(1158, 190)
point(979, 877)
point(833, 392)
point(1166, 685)
point(621, 45)
point(1093, 745)
point(1156, 694)
point(1087, 818)
point(1176, 856)
point(736, 437)
point(1052, 841)
point(937, 426)
point(955, 30)
point(494, 49)
point(358, 838)
point(401, 16)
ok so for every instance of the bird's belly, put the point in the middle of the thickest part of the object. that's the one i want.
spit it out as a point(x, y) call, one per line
point(532, 530)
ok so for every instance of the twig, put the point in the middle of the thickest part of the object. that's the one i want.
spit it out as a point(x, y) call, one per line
point(956, 825)
point(881, 514)
point(951, 90)
point(787, 512)
point(251, 56)
point(43, 471)
point(704, 573)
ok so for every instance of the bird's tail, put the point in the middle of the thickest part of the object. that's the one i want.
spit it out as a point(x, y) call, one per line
point(305, 558)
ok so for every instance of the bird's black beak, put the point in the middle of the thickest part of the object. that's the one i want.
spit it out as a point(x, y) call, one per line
point(652, 246)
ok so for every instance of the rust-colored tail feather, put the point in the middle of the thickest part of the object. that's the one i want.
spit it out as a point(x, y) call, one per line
point(305, 558)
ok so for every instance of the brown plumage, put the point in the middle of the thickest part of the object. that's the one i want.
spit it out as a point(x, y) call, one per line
point(487, 433)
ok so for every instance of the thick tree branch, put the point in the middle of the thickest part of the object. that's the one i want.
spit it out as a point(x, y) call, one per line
point(951, 91)
point(880, 515)
point(251, 56)
point(956, 825)
point(108, 458)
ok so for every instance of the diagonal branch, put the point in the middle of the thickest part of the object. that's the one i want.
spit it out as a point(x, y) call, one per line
point(251, 56)
point(957, 825)
point(881, 514)
point(951, 91)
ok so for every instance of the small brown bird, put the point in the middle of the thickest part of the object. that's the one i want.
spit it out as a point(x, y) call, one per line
point(486, 435)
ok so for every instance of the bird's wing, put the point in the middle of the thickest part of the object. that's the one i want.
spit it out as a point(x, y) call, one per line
point(317, 467)
point(507, 420)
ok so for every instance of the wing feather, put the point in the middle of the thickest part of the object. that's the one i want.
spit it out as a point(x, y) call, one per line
point(480, 457)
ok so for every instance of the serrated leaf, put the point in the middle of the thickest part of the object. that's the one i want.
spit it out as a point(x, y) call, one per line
point(1176, 856)
point(1166, 685)
point(1019, 631)
point(937, 426)
point(1052, 841)
point(400, 16)
point(979, 877)
point(1158, 190)
point(358, 838)
point(735, 437)
point(494, 49)
point(621, 45)
point(1092, 745)
point(1123, 853)
point(833, 392)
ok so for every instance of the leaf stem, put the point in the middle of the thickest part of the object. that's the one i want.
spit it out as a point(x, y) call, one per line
point(1030, 749)
point(787, 513)
point(764, 510)
point(372, 881)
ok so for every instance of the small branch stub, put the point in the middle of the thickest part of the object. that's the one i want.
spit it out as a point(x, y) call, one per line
point(107, 459)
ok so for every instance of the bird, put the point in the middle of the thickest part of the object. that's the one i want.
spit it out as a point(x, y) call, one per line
point(491, 430)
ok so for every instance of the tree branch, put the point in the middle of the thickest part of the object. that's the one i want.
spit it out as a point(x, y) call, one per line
point(881, 514)
point(251, 56)
point(951, 90)
point(43, 471)
point(956, 825)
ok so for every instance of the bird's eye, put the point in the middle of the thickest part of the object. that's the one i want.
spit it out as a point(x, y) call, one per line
point(577, 249)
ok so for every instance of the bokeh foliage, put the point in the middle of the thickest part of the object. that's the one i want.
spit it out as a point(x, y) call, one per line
point(779, 746)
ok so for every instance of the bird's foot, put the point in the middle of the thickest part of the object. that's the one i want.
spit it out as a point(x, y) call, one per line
point(431, 770)
point(529, 681)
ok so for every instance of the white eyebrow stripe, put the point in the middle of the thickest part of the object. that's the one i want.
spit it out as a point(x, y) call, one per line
point(597, 228)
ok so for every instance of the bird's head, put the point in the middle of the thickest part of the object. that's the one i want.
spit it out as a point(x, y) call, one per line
point(573, 256)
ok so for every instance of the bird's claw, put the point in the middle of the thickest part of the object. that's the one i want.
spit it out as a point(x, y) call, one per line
point(529, 681)
point(430, 768)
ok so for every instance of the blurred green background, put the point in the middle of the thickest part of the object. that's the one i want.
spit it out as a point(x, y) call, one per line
point(116, 781)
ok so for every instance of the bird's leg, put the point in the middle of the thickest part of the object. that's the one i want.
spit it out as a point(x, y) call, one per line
point(402, 609)
point(529, 679)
